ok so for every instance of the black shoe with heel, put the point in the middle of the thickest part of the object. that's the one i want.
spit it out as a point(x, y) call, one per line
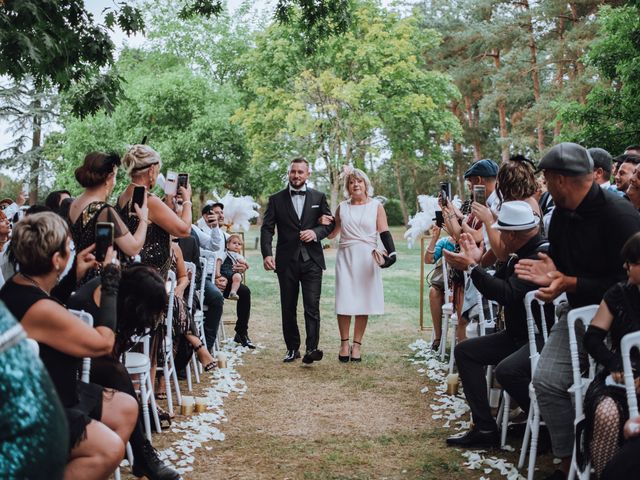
point(356, 359)
point(148, 464)
point(344, 358)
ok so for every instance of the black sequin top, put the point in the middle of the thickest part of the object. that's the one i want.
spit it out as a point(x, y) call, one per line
point(156, 251)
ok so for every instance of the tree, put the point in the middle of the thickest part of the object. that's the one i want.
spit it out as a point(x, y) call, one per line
point(184, 118)
point(609, 117)
point(356, 95)
point(59, 44)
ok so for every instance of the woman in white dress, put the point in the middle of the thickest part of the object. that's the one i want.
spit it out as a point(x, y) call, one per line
point(359, 291)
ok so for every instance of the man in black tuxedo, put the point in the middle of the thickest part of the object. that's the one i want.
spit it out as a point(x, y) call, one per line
point(295, 212)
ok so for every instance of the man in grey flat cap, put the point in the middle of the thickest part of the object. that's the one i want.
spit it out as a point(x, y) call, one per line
point(588, 228)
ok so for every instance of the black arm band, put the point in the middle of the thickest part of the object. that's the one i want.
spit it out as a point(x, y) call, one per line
point(594, 344)
point(387, 241)
point(107, 315)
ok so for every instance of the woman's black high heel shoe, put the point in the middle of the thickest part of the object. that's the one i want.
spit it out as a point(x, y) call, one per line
point(344, 358)
point(358, 359)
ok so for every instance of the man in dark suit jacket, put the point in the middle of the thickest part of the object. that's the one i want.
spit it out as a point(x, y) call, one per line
point(299, 260)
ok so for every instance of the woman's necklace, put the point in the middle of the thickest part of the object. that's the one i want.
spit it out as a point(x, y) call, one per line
point(33, 282)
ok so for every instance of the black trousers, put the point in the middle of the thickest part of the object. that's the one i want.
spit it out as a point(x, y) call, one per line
point(307, 275)
point(624, 464)
point(243, 309)
point(513, 372)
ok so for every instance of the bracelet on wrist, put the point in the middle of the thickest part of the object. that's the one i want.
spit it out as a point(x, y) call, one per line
point(187, 202)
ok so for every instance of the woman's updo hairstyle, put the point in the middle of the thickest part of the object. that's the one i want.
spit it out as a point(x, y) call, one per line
point(138, 158)
point(516, 179)
point(96, 169)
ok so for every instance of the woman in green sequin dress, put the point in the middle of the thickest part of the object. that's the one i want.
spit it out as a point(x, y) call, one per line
point(33, 426)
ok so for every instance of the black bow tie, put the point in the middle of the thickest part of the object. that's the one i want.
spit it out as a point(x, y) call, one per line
point(298, 192)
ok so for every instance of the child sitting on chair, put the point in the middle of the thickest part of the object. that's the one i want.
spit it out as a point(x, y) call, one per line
point(224, 264)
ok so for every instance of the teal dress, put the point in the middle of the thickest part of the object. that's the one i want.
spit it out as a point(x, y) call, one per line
point(33, 428)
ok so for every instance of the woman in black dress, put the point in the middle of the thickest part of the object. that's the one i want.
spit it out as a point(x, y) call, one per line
point(606, 407)
point(143, 166)
point(99, 420)
point(98, 176)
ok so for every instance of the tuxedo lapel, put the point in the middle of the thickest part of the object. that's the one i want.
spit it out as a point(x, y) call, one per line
point(288, 202)
point(307, 205)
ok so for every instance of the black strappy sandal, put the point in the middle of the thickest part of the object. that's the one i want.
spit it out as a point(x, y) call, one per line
point(344, 358)
point(354, 359)
point(209, 366)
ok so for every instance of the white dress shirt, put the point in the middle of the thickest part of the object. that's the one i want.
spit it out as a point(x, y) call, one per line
point(298, 200)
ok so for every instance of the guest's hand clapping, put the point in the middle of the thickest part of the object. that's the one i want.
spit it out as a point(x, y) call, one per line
point(536, 271)
point(469, 254)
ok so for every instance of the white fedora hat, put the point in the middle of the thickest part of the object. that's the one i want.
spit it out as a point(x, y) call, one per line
point(515, 215)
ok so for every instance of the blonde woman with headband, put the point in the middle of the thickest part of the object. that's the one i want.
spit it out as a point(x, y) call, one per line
point(143, 166)
point(359, 293)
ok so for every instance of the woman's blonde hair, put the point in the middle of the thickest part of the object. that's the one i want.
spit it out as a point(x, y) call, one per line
point(35, 239)
point(140, 157)
point(348, 173)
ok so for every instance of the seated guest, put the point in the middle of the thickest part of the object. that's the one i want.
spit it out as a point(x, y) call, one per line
point(584, 262)
point(142, 301)
point(98, 177)
point(436, 285)
point(509, 348)
point(33, 426)
point(602, 166)
point(183, 324)
point(100, 421)
point(628, 164)
point(55, 199)
point(606, 406)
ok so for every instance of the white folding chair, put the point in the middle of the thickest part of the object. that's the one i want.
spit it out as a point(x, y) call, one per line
point(447, 312)
point(532, 429)
point(580, 383)
point(628, 343)
point(168, 365)
point(193, 362)
point(87, 318)
point(139, 367)
point(198, 315)
point(221, 333)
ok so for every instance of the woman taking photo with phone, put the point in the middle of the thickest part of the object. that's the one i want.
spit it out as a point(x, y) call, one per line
point(143, 166)
point(98, 177)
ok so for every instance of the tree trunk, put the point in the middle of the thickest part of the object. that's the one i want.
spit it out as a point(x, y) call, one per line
point(34, 166)
point(502, 114)
point(403, 203)
point(533, 50)
point(559, 72)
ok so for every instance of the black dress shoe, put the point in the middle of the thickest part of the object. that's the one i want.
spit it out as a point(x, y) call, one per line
point(147, 464)
point(291, 356)
point(312, 356)
point(476, 438)
point(244, 340)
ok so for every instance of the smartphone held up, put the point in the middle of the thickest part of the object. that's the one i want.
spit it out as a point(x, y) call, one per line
point(104, 239)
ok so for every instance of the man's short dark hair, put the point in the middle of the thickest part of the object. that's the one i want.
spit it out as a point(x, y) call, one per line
point(300, 160)
point(632, 147)
point(631, 249)
point(217, 204)
point(207, 209)
point(53, 199)
point(627, 158)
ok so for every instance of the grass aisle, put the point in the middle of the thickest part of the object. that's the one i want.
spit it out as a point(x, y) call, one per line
point(334, 420)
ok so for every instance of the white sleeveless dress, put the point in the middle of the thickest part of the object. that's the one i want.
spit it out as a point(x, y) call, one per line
point(358, 278)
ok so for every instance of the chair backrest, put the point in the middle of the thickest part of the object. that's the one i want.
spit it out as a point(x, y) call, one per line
point(583, 315)
point(532, 328)
point(87, 318)
point(191, 271)
point(204, 263)
point(629, 342)
point(171, 285)
point(445, 276)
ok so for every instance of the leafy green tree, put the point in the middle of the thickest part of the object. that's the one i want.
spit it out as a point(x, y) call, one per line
point(184, 118)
